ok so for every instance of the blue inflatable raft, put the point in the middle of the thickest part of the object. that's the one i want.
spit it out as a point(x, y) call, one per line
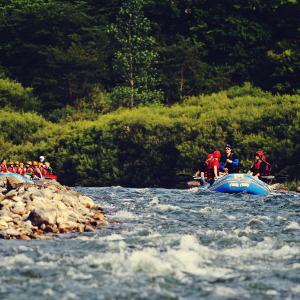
point(239, 183)
point(18, 176)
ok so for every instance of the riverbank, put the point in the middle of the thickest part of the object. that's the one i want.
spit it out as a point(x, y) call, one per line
point(44, 209)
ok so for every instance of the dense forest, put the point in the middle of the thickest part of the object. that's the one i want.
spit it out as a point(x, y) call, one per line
point(132, 92)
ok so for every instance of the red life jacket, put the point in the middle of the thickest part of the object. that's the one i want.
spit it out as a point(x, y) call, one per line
point(266, 171)
point(11, 169)
point(36, 172)
point(29, 170)
point(210, 171)
point(3, 168)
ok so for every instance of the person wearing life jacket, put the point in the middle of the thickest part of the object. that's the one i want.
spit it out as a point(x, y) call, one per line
point(229, 162)
point(3, 166)
point(28, 169)
point(48, 169)
point(21, 169)
point(11, 168)
point(260, 167)
point(203, 167)
point(214, 167)
point(36, 170)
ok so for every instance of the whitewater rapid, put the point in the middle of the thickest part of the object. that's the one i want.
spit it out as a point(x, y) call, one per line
point(165, 244)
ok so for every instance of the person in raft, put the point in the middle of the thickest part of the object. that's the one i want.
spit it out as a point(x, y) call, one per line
point(3, 166)
point(203, 167)
point(260, 167)
point(229, 162)
point(214, 168)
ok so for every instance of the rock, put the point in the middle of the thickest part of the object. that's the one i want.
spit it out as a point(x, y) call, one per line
point(40, 216)
point(6, 219)
point(86, 201)
point(279, 187)
point(11, 194)
point(89, 228)
point(24, 237)
point(18, 208)
point(12, 232)
point(99, 216)
point(45, 208)
point(298, 189)
point(3, 225)
point(13, 183)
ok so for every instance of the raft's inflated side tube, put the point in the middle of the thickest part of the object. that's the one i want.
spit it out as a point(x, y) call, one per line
point(24, 179)
point(240, 183)
point(18, 176)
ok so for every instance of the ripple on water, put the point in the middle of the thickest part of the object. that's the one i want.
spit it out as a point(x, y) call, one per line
point(165, 244)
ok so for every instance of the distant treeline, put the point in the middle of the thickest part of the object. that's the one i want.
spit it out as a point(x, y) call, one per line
point(150, 145)
point(72, 53)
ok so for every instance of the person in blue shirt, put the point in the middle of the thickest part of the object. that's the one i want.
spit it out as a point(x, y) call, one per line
point(229, 162)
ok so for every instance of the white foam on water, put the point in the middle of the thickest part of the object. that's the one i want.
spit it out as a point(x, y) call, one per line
point(148, 261)
point(247, 230)
point(293, 226)
point(271, 293)
point(210, 210)
point(19, 259)
point(266, 248)
point(228, 292)
point(286, 252)
point(229, 217)
point(124, 215)
point(48, 292)
point(47, 264)
point(280, 218)
point(189, 257)
point(162, 207)
point(154, 201)
point(24, 248)
point(114, 237)
point(263, 218)
point(296, 290)
point(296, 266)
point(167, 207)
point(69, 296)
point(75, 274)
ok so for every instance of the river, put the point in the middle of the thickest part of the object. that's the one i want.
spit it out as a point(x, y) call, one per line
point(165, 244)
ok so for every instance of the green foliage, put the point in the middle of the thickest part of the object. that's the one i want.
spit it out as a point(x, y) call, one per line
point(18, 128)
point(149, 145)
point(54, 46)
point(135, 57)
point(14, 95)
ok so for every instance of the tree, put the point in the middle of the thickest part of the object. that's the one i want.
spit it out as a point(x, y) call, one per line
point(54, 46)
point(135, 56)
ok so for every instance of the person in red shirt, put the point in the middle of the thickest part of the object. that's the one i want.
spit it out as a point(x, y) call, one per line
point(260, 167)
point(11, 167)
point(3, 166)
point(29, 169)
point(21, 169)
point(214, 167)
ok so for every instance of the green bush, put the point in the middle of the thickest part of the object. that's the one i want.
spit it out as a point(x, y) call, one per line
point(149, 145)
point(14, 95)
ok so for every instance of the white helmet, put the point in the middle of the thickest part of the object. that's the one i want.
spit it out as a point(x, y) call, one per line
point(42, 158)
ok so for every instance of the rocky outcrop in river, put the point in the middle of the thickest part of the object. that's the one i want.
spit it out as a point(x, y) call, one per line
point(45, 208)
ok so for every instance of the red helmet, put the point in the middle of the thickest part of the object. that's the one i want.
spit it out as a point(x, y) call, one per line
point(210, 155)
point(217, 154)
point(260, 153)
